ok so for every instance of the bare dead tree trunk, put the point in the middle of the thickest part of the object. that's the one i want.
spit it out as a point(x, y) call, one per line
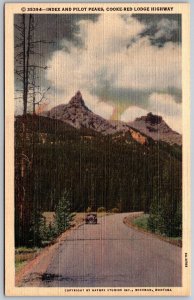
point(22, 196)
point(27, 64)
point(24, 66)
point(34, 92)
point(26, 56)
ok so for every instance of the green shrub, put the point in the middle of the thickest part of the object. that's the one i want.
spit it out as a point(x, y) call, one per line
point(47, 232)
point(164, 219)
point(142, 221)
point(20, 250)
point(101, 209)
point(115, 210)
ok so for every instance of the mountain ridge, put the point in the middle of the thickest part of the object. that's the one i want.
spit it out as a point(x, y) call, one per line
point(78, 115)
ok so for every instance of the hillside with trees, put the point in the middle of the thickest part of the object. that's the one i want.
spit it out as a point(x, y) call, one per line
point(111, 171)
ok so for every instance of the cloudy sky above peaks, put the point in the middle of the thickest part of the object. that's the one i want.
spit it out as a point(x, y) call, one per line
point(124, 65)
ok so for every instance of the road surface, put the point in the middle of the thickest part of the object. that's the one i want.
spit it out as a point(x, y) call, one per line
point(111, 254)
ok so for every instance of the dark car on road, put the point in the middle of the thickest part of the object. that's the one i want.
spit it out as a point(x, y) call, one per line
point(91, 218)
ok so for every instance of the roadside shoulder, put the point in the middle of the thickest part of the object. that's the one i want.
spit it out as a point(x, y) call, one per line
point(129, 221)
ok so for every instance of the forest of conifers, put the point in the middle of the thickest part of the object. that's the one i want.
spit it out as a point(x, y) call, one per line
point(112, 171)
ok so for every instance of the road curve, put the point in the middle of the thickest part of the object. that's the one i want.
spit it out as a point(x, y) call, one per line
point(110, 254)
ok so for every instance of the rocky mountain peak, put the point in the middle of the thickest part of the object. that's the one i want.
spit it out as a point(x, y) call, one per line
point(155, 127)
point(151, 118)
point(77, 100)
point(78, 115)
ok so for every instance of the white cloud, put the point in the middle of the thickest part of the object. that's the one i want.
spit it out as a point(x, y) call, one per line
point(103, 109)
point(133, 112)
point(101, 58)
point(148, 67)
point(106, 60)
point(165, 105)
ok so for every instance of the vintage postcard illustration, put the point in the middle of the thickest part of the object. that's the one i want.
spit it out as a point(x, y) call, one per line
point(97, 149)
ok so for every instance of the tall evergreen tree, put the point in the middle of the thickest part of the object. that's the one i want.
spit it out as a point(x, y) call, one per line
point(63, 215)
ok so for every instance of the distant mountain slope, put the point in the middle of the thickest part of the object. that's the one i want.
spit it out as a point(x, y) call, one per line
point(156, 128)
point(78, 115)
point(42, 124)
point(115, 170)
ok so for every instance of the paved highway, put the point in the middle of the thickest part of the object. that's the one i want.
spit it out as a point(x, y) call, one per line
point(110, 254)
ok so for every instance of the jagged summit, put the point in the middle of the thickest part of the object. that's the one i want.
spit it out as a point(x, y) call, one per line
point(155, 127)
point(78, 115)
point(78, 96)
point(77, 100)
point(151, 118)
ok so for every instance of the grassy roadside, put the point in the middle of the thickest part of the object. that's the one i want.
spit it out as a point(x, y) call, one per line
point(23, 255)
point(141, 222)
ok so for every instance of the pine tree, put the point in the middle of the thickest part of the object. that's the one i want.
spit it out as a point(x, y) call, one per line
point(155, 220)
point(63, 215)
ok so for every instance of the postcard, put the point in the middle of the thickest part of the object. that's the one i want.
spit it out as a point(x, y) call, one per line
point(97, 149)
